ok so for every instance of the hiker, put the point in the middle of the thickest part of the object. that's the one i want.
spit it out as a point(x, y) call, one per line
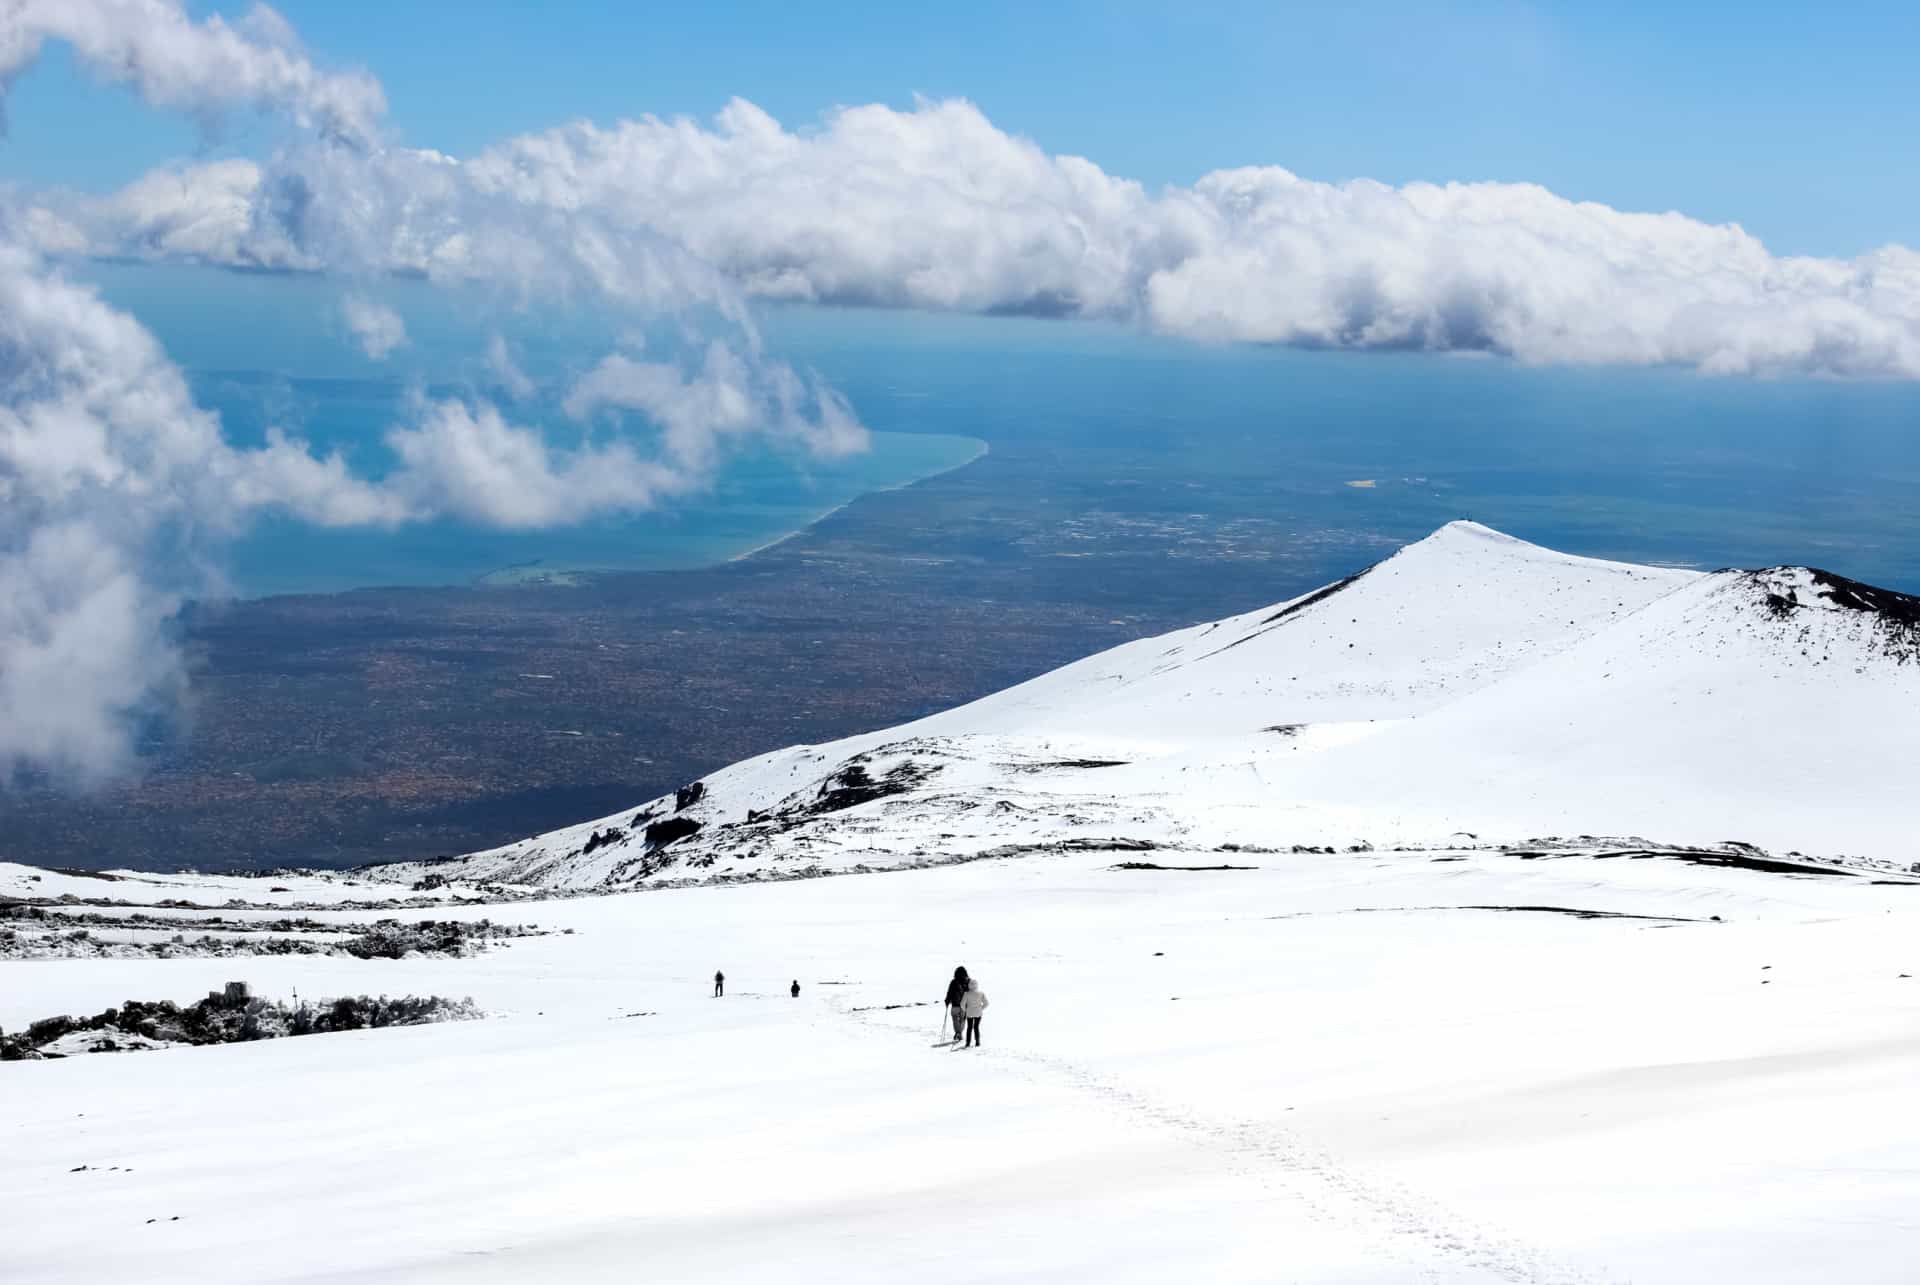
point(719, 984)
point(794, 990)
point(973, 1004)
point(955, 990)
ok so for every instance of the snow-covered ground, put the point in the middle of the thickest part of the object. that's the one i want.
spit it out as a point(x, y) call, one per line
point(1333, 1067)
point(279, 891)
point(1442, 1048)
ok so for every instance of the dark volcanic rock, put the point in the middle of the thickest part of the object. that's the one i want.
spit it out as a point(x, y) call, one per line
point(853, 785)
point(1892, 608)
point(602, 838)
point(671, 830)
point(1895, 616)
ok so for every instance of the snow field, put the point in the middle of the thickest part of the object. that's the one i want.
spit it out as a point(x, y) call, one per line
point(1330, 1071)
point(1363, 1066)
point(145, 889)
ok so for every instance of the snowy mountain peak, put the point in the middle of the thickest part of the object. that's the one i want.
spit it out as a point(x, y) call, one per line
point(1466, 544)
point(1441, 617)
point(1467, 530)
point(1471, 682)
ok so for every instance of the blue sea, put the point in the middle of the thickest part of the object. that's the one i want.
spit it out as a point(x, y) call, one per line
point(761, 495)
point(1649, 465)
point(268, 350)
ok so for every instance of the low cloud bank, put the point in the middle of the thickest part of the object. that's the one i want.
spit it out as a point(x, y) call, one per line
point(937, 208)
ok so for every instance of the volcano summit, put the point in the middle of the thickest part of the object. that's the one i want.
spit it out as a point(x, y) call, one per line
point(1470, 689)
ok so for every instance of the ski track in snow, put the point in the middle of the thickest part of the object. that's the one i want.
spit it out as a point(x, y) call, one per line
point(1304, 1175)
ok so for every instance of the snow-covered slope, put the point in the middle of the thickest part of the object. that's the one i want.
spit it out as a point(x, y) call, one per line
point(1780, 708)
point(1441, 618)
point(1472, 687)
point(1365, 1069)
point(1210, 1055)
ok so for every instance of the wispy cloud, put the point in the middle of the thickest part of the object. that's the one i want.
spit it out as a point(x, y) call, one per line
point(506, 371)
point(724, 396)
point(201, 68)
point(377, 328)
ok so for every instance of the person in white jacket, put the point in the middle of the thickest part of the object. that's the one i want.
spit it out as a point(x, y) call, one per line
point(972, 1005)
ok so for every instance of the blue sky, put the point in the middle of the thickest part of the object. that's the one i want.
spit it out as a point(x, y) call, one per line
point(1794, 120)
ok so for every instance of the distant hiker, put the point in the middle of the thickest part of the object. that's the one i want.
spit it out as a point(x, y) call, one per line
point(973, 1004)
point(719, 984)
point(794, 990)
point(956, 989)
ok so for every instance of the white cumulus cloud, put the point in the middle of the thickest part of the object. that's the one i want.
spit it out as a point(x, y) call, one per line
point(116, 494)
point(935, 207)
point(465, 459)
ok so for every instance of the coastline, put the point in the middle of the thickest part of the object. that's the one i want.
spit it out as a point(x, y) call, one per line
point(776, 542)
point(553, 569)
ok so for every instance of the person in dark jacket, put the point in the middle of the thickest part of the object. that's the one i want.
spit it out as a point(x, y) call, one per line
point(719, 984)
point(956, 989)
point(794, 990)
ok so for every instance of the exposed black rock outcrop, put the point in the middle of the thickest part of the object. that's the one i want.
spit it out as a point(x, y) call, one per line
point(602, 838)
point(1895, 616)
point(672, 830)
point(853, 785)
